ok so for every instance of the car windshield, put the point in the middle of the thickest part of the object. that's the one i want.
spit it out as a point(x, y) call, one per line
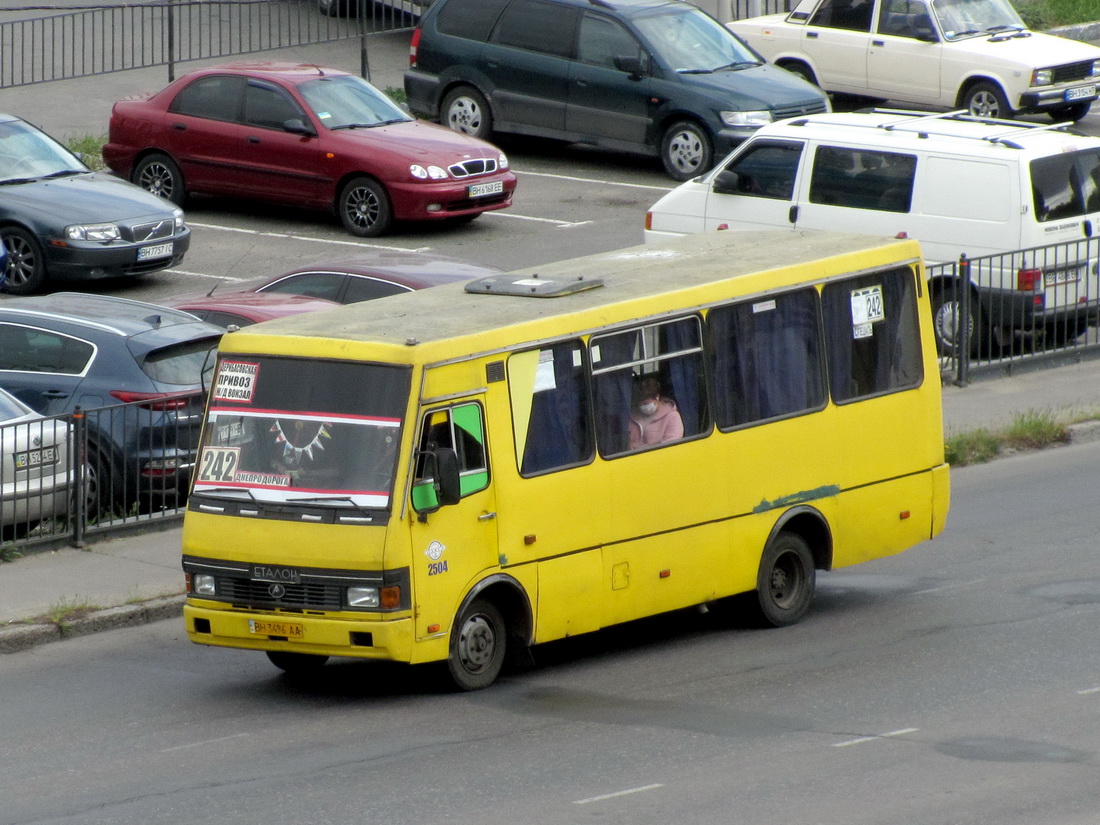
point(303, 431)
point(27, 153)
point(690, 41)
point(969, 18)
point(349, 102)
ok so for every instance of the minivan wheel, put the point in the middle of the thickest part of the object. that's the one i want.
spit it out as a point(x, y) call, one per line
point(801, 69)
point(986, 100)
point(26, 264)
point(159, 174)
point(365, 208)
point(947, 322)
point(686, 150)
point(466, 110)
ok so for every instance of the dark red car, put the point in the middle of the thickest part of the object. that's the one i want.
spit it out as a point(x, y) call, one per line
point(306, 136)
point(242, 309)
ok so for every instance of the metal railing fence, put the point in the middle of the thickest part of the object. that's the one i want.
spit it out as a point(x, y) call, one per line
point(109, 469)
point(997, 311)
point(100, 39)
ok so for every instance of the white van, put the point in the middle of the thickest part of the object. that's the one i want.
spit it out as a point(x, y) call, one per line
point(958, 184)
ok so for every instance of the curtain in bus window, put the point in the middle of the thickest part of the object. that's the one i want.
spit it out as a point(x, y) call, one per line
point(684, 375)
point(872, 334)
point(767, 358)
point(558, 432)
point(613, 388)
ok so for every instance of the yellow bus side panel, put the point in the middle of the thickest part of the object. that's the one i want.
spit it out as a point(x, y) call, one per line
point(883, 519)
point(570, 590)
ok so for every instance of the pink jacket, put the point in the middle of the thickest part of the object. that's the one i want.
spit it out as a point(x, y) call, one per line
point(664, 425)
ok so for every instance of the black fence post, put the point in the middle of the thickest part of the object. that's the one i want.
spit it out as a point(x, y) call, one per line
point(80, 498)
point(965, 329)
point(171, 47)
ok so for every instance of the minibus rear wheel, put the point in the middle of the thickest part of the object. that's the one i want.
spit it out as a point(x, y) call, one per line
point(785, 582)
point(296, 663)
point(478, 645)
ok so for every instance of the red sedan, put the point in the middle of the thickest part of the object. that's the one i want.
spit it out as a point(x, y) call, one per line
point(307, 136)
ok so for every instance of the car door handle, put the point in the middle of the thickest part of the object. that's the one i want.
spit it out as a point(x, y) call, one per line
point(252, 139)
point(792, 214)
point(1088, 229)
point(812, 34)
point(487, 517)
point(581, 81)
point(180, 127)
point(878, 42)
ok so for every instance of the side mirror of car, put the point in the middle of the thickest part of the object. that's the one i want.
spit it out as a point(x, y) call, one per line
point(297, 126)
point(727, 182)
point(633, 66)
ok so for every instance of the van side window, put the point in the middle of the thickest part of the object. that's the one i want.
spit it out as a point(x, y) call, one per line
point(602, 40)
point(766, 358)
point(472, 19)
point(462, 429)
point(766, 169)
point(844, 14)
point(1066, 185)
point(872, 334)
point(669, 352)
point(537, 27)
point(863, 179)
point(551, 408)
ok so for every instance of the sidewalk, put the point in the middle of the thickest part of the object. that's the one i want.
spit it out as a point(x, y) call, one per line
point(137, 579)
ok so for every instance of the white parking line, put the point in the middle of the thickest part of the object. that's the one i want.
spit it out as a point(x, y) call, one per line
point(617, 793)
point(290, 237)
point(204, 275)
point(1087, 691)
point(561, 224)
point(596, 181)
point(862, 739)
point(204, 742)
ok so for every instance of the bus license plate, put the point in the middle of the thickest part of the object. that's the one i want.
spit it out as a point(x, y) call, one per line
point(480, 190)
point(35, 458)
point(1062, 276)
point(261, 627)
point(161, 250)
point(1081, 93)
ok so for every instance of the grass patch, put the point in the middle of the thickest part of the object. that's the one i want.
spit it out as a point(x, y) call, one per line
point(1047, 14)
point(90, 147)
point(1031, 430)
point(65, 612)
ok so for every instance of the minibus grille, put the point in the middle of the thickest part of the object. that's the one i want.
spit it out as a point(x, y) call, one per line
point(258, 594)
point(1073, 71)
point(798, 111)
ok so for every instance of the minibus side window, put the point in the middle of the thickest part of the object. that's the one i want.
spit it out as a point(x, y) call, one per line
point(551, 408)
point(872, 335)
point(863, 179)
point(766, 358)
point(663, 360)
point(767, 169)
point(460, 428)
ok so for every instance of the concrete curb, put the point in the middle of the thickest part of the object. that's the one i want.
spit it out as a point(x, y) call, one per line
point(18, 636)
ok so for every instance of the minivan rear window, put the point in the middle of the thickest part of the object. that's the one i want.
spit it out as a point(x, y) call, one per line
point(473, 19)
point(549, 28)
point(1066, 186)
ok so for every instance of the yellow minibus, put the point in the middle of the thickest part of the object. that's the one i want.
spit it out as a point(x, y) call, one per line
point(462, 472)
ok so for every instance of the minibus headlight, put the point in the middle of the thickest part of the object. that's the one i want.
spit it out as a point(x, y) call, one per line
point(363, 597)
point(202, 584)
point(92, 232)
point(1095, 69)
point(746, 118)
point(1042, 77)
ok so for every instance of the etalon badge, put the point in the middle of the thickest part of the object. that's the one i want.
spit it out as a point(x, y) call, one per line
point(435, 550)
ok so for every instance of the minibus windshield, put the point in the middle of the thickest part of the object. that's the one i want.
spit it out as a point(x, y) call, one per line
point(303, 432)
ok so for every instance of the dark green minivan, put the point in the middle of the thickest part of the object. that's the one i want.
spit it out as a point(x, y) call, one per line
point(659, 77)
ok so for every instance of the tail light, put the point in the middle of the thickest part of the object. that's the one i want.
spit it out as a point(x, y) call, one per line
point(648, 220)
point(152, 400)
point(413, 45)
point(1029, 280)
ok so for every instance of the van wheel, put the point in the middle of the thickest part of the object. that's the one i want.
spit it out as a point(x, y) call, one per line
point(478, 645)
point(1071, 113)
point(686, 150)
point(296, 663)
point(785, 582)
point(159, 174)
point(365, 208)
point(986, 99)
point(26, 264)
point(1066, 331)
point(947, 323)
point(466, 110)
point(801, 69)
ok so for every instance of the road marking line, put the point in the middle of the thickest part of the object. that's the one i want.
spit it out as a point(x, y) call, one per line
point(862, 739)
point(617, 793)
point(204, 742)
point(561, 224)
point(597, 181)
point(288, 236)
point(1088, 691)
point(204, 275)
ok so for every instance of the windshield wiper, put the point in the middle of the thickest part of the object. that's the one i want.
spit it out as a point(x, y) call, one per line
point(64, 173)
point(223, 490)
point(368, 125)
point(739, 64)
point(696, 71)
point(335, 499)
point(19, 180)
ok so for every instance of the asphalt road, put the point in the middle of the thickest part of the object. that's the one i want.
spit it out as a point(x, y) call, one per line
point(957, 683)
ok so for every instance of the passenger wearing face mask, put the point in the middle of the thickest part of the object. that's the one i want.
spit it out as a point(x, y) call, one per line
point(653, 419)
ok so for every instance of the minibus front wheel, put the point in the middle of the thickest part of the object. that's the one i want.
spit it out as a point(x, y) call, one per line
point(478, 645)
point(785, 582)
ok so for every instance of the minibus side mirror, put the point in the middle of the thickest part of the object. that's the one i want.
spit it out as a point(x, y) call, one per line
point(727, 182)
point(447, 486)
